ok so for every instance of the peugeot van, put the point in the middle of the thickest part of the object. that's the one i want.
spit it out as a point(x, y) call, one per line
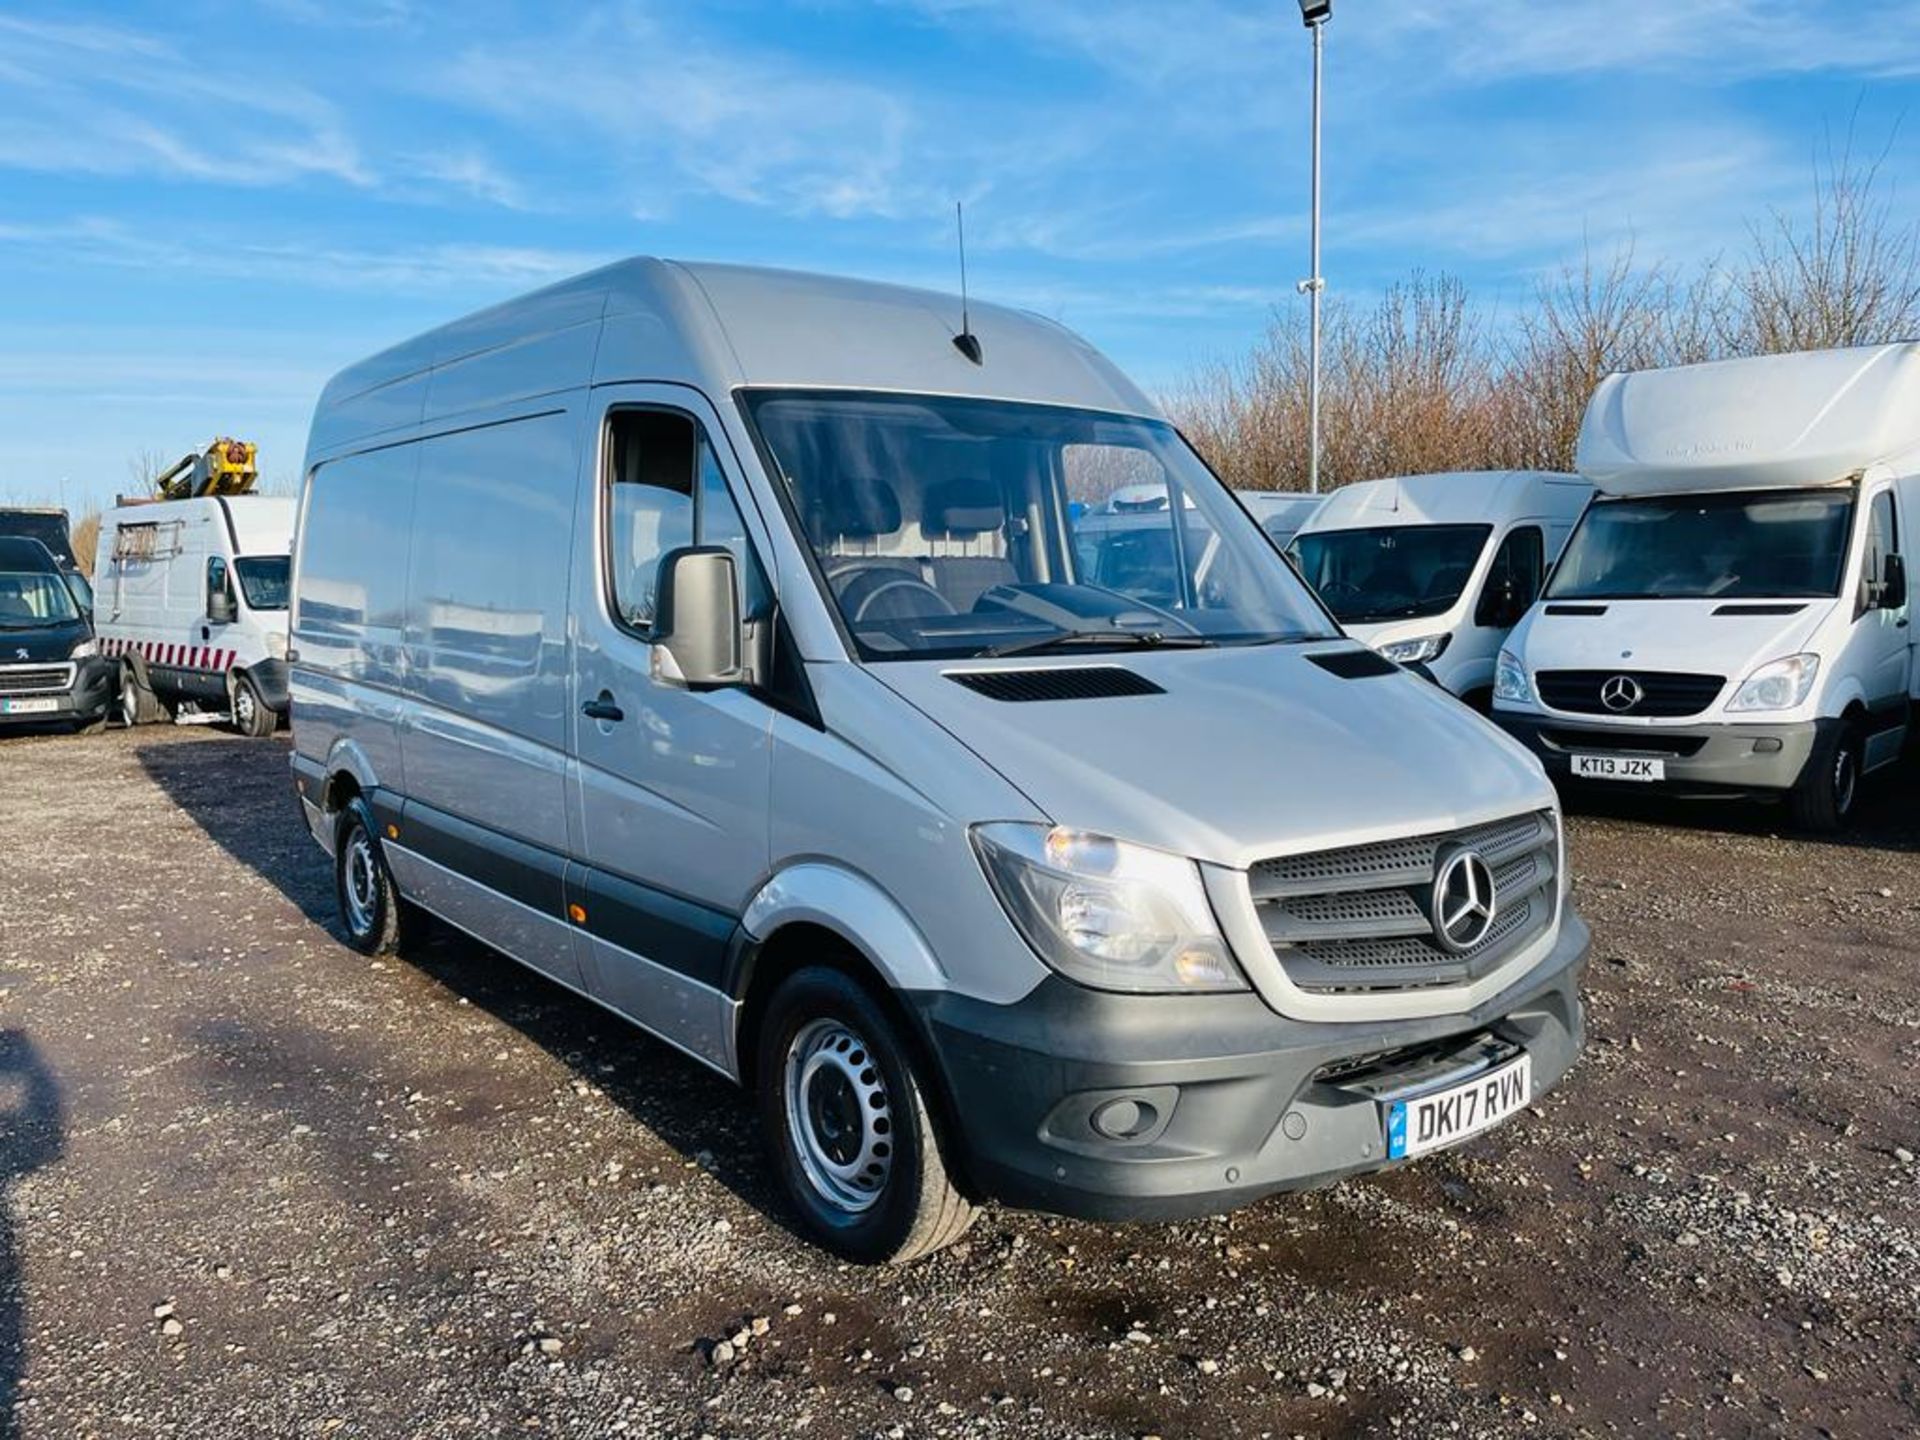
point(1731, 617)
point(717, 642)
point(51, 671)
point(1434, 570)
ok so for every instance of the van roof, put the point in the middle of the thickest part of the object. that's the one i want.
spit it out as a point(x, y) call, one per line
point(715, 327)
point(259, 524)
point(1449, 497)
point(1812, 418)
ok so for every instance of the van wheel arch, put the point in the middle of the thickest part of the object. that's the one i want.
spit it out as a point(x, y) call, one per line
point(800, 944)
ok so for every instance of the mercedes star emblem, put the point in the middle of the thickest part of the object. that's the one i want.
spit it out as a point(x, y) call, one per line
point(1463, 901)
point(1620, 693)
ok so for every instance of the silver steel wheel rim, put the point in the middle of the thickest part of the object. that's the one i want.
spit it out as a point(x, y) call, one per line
point(362, 889)
point(243, 706)
point(129, 703)
point(839, 1115)
point(1844, 780)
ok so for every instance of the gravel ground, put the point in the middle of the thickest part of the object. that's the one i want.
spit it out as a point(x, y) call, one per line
point(252, 1184)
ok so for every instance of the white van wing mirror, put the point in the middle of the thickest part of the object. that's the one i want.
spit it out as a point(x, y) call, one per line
point(698, 638)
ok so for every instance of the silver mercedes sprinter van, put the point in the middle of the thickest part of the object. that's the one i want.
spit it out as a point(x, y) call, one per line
point(715, 641)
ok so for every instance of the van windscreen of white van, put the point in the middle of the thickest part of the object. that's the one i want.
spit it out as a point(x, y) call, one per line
point(265, 579)
point(948, 527)
point(1390, 572)
point(1728, 545)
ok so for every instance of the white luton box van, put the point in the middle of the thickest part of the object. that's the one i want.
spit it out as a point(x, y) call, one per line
point(715, 641)
point(1434, 570)
point(1731, 616)
point(191, 595)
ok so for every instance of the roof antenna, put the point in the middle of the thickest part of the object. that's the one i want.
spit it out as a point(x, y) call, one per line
point(966, 342)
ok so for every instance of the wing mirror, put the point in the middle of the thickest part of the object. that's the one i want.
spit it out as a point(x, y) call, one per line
point(698, 639)
point(1893, 583)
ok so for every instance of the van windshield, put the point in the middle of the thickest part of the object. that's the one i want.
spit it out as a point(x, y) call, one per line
point(30, 599)
point(1740, 544)
point(949, 527)
point(265, 579)
point(1390, 572)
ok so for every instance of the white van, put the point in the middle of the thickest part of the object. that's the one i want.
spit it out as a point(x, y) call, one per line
point(191, 595)
point(1731, 616)
point(1281, 513)
point(716, 642)
point(1434, 570)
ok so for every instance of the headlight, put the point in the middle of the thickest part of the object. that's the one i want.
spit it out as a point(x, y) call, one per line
point(276, 645)
point(84, 649)
point(1779, 685)
point(1105, 913)
point(1414, 652)
point(1510, 680)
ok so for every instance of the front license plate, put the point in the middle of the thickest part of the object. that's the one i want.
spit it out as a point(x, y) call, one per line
point(1618, 767)
point(1426, 1122)
point(28, 707)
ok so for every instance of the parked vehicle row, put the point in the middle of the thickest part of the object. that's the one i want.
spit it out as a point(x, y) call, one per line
point(801, 703)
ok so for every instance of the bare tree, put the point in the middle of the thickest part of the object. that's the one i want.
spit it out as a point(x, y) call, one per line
point(144, 467)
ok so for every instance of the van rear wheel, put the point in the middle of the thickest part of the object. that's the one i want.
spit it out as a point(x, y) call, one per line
point(1823, 799)
point(848, 1124)
point(377, 920)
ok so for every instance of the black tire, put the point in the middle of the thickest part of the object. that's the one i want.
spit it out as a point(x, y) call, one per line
point(376, 919)
point(137, 705)
point(251, 717)
point(884, 1196)
point(1823, 799)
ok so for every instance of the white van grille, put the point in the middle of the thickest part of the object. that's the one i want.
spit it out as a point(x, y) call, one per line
point(1360, 918)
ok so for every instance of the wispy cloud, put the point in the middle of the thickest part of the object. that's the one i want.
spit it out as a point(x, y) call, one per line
point(105, 100)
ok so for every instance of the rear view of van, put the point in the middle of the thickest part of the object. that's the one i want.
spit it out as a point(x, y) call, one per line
point(722, 644)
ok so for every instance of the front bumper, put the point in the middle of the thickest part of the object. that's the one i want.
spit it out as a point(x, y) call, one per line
point(1207, 1102)
point(96, 683)
point(1709, 759)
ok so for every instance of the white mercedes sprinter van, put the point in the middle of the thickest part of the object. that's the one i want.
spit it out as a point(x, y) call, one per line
point(1731, 616)
point(715, 642)
point(1434, 570)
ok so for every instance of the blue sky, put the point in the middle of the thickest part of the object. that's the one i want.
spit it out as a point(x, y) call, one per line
point(206, 208)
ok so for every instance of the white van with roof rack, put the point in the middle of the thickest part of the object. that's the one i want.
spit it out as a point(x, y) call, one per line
point(718, 643)
point(1434, 570)
point(1731, 617)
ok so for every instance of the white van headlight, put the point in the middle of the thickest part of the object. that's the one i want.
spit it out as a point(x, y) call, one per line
point(1105, 913)
point(1414, 652)
point(1778, 685)
point(84, 649)
point(1510, 680)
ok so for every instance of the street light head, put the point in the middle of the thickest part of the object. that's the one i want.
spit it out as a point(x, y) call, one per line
point(1315, 12)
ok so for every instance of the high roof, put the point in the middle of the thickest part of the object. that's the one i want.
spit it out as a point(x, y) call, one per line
point(1812, 418)
point(1450, 497)
point(716, 327)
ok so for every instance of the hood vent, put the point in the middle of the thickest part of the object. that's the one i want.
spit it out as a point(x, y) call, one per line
point(1758, 609)
point(1081, 682)
point(1576, 609)
point(1354, 664)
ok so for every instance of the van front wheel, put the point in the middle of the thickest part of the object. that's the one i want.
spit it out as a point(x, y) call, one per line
point(849, 1127)
point(251, 716)
point(1822, 801)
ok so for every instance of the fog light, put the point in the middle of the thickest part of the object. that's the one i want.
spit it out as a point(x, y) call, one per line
point(1124, 1119)
point(1767, 745)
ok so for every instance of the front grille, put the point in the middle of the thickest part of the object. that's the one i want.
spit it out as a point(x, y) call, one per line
point(35, 679)
point(1664, 694)
point(1360, 918)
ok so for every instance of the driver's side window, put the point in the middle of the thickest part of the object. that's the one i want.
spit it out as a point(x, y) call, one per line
point(1513, 580)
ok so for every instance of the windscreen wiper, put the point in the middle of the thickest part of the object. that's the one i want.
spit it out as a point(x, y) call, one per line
point(1143, 639)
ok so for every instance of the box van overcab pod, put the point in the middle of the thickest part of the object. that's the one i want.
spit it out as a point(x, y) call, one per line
point(1731, 616)
point(51, 671)
point(718, 642)
point(192, 600)
point(1434, 570)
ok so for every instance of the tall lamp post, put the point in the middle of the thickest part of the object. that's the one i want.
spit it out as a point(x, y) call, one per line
point(1314, 14)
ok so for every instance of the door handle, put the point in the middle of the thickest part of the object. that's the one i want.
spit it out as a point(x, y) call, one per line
point(603, 708)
